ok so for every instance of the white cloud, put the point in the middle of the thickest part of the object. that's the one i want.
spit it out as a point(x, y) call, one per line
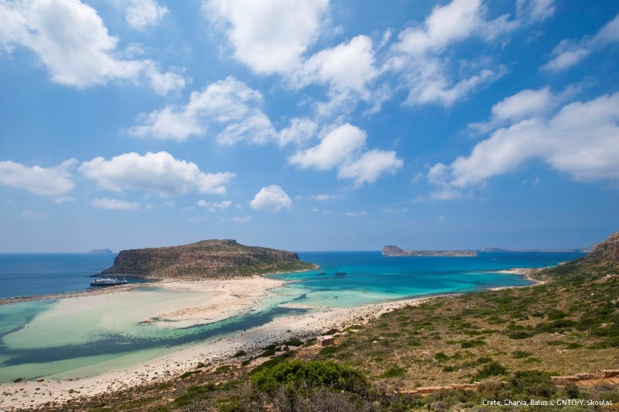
point(54, 181)
point(114, 204)
point(344, 148)
point(228, 106)
point(348, 66)
point(215, 206)
point(523, 104)
point(370, 166)
point(419, 54)
point(300, 130)
point(159, 172)
point(535, 10)
point(269, 36)
point(581, 140)
point(73, 43)
point(144, 13)
point(568, 53)
point(272, 198)
point(337, 146)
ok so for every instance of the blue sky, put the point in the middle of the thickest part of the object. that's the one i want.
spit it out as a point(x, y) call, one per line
point(308, 124)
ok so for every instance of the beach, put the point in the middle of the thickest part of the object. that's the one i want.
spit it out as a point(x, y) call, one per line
point(219, 300)
point(165, 309)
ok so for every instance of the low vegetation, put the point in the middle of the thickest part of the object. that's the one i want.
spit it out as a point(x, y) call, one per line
point(496, 345)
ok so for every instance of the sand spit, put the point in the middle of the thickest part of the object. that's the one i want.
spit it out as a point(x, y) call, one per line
point(225, 299)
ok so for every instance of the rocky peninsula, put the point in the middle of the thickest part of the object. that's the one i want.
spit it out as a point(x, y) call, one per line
point(392, 250)
point(207, 259)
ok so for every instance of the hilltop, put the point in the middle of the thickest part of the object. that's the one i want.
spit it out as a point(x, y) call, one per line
point(205, 259)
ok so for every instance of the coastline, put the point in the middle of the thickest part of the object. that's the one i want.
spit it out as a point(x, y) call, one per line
point(227, 298)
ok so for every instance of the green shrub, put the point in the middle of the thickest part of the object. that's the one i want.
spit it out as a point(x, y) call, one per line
point(533, 383)
point(491, 369)
point(312, 374)
point(394, 372)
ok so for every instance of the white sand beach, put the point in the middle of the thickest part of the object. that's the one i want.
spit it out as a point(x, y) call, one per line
point(202, 302)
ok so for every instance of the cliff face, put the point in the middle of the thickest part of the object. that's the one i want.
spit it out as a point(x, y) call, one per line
point(392, 250)
point(205, 259)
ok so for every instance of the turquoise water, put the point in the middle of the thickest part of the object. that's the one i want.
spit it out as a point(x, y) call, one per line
point(48, 338)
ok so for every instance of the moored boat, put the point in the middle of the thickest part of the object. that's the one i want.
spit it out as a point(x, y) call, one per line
point(108, 282)
point(340, 273)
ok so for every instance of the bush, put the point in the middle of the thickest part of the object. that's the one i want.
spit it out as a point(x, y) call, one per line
point(491, 369)
point(295, 375)
point(533, 383)
point(394, 372)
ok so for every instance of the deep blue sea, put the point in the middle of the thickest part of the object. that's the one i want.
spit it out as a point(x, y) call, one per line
point(29, 274)
point(64, 338)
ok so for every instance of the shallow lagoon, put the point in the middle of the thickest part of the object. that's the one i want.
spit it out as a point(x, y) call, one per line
point(84, 336)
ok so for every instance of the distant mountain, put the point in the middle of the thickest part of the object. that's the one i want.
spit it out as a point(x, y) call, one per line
point(101, 252)
point(391, 250)
point(205, 259)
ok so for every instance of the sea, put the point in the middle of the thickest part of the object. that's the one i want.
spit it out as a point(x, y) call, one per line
point(52, 339)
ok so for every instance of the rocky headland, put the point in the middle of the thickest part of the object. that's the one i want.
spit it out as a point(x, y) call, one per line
point(208, 259)
point(392, 250)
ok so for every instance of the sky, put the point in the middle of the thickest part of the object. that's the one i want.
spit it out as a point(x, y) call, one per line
point(308, 124)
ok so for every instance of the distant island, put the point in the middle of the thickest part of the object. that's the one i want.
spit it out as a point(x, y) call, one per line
point(100, 252)
point(392, 250)
point(501, 250)
point(208, 259)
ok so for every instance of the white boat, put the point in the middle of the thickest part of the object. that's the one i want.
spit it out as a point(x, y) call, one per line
point(108, 282)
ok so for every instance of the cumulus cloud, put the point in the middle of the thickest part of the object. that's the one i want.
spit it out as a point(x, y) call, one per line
point(370, 166)
point(159, 173)
point(348, 66)
point(271, 198)
point(336, 147)
point(142, 14)
point(269, 36)
point(344, 148)
point(228, 106)
point(568, 53)
point(581, 140)
point(419, 54)
point(53, 181)
point(523, 105)
point(114, 204)
point(73, 43)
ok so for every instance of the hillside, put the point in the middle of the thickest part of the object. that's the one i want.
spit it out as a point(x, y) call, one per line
point(205, 259)
point(470, 352)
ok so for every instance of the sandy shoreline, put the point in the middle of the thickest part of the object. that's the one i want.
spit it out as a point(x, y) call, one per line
point(226, 298)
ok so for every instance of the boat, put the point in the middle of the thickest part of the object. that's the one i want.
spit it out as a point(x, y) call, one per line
point(340, 273)
point(322, 273)
point(108, 282)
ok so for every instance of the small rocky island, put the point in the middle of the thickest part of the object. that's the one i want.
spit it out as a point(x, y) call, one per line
point(208, 259)
point(391, 250)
